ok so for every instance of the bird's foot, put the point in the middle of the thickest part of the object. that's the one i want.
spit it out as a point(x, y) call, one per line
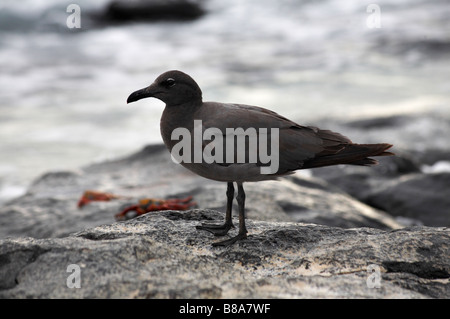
point(231, 241)
point(217, 230)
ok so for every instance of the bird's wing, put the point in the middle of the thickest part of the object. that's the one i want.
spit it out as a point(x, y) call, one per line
point(239, 115)
point(296, 143)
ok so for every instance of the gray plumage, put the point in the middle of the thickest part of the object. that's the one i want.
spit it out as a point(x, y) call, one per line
point(299, 146)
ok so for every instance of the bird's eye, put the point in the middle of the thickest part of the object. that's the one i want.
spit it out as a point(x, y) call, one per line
point(168, 82)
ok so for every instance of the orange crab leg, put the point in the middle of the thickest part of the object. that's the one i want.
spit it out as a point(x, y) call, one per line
point(90, 196)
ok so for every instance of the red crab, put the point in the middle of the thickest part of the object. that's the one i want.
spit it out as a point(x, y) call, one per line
point(144, 205)
point(150, 204)
point(91, 196)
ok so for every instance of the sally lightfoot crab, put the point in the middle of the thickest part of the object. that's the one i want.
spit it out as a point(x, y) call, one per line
point(143, 206)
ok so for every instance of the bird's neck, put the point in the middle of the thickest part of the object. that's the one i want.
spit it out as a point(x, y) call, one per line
point(179, 116)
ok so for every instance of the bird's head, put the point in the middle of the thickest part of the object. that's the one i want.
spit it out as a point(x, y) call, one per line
point(172, 87)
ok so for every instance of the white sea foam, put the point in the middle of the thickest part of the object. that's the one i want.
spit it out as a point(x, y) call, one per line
point(438, 167)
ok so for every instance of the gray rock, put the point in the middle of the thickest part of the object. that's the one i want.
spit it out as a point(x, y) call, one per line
point(162, 255)
point(405, 186)
point(380, 122)
point(360, 181)
point(425, 197)
point(397, 188)
point(431, 156)
point(154, 10)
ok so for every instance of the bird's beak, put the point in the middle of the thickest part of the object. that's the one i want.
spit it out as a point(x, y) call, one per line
point(142, 93)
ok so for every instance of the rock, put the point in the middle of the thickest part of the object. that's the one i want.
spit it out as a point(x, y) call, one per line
point(422, 158)
point(312, 201)
point(154, 10)
point(431, 156)
point(361, 181)
point(397, 186)
point(418, 198)
point(49, 208)
point(379, 122)
point(421, 49)
point(425, 197)
point(162, 255)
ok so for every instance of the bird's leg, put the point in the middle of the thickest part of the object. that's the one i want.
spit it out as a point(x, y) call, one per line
point(242, 229)
point(222, 229)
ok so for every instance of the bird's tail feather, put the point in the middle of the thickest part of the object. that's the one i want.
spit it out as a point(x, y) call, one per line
point(352, 154)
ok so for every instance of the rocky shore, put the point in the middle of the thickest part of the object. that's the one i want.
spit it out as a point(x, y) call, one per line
point(339, 232)
point(161, 255)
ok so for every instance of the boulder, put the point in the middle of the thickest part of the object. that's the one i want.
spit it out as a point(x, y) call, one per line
point(411, 186)
point(425, 197)
point(360, 181)
point(153, 10)
point(162, 255)
point(398, 186)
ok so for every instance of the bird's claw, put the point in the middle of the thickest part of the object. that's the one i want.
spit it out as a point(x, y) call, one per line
point(216, 230)
point(231, 241)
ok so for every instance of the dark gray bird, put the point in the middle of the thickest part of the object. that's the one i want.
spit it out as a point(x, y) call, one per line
point(296, 146)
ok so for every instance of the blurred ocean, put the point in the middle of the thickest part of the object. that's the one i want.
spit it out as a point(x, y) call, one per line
point(63, 91)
